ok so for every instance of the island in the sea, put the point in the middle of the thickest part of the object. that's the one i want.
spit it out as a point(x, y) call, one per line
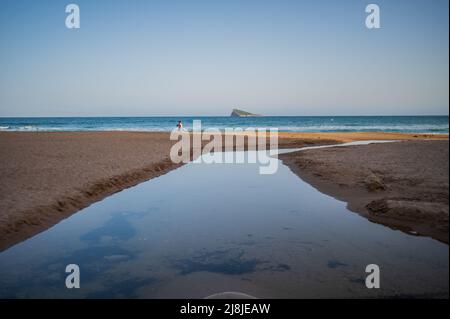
point(240, 113)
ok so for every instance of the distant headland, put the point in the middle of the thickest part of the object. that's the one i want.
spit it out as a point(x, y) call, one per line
point(240, 113)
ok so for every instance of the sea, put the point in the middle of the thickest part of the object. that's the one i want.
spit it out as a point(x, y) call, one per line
point(403, 124)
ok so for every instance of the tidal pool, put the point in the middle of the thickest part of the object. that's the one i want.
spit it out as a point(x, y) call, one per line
point(206, 229)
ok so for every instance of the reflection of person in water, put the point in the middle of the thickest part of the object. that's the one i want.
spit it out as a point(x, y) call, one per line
point(179, 125)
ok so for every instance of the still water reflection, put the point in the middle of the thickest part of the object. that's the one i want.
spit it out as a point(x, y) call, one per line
point(204, 229)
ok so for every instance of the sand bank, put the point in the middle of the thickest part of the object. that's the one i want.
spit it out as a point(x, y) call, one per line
point(403, 185)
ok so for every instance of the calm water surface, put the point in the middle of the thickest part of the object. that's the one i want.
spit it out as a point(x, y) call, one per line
point(204, 229)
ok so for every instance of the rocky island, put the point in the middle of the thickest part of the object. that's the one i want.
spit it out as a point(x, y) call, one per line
point(240, 113)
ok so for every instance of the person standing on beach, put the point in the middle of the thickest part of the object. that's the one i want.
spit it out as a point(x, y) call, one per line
point(179, 125)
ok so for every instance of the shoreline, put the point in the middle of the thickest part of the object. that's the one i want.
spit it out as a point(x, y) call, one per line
point(48, 176)
point(402, 185)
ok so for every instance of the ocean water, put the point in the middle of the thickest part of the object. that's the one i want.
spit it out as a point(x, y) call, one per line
point(405, 124)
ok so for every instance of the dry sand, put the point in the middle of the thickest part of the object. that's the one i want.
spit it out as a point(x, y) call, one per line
point(45, 177)
point(403, 185)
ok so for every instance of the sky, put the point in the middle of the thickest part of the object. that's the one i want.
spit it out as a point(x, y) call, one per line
point(197, 57)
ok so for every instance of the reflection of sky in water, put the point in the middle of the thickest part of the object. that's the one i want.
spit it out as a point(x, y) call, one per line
point(204, 229)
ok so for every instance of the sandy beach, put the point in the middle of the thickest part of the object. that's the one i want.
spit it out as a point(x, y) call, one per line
point(403, 185)
point(46, 177)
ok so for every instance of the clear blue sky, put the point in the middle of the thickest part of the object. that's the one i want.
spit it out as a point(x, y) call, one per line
point(189, 57)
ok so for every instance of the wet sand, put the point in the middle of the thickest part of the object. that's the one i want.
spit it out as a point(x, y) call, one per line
point(403, 185)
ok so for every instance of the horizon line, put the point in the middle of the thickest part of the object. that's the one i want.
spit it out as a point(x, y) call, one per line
point(144, 116)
